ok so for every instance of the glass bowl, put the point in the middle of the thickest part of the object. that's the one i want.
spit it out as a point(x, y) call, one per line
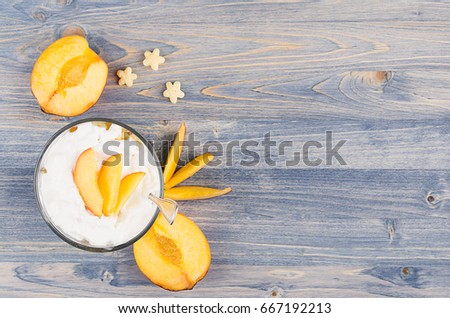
point(41, 169)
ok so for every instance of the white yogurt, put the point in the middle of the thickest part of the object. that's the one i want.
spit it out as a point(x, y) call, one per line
point(61, 199)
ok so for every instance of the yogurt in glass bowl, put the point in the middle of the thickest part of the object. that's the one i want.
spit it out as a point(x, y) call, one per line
point(61, 203)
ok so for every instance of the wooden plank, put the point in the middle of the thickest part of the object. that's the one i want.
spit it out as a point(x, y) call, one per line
point(307, 216)
point(369, 144)
point(388, 66)
point(89, 279)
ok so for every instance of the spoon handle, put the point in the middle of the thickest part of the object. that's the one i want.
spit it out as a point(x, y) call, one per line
point(168, 207)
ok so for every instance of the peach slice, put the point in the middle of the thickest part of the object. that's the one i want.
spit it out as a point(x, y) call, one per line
point(174, 257)
point(85, 178)
point(188, 193)
point(189, 170)
point(68, 78)
point(127, 187)
point(109, 182)
point(174, 154)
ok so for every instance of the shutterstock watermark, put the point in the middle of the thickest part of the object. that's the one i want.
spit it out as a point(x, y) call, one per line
point(266, 151)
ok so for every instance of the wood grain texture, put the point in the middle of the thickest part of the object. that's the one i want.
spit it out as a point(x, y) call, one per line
point(375, 73)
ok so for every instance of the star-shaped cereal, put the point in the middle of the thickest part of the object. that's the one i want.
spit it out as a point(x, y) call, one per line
point(153, 59)
point(126, 76)
point(173, 91)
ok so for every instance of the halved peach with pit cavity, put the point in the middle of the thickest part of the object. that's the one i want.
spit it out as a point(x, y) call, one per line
point(68, 78)
point(174, 257)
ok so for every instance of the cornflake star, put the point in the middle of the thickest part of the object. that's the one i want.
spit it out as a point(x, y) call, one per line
point(153, 59)
point(126, 76)
point(173, 91)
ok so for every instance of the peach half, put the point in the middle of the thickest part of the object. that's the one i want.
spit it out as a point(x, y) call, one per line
point(174, 257)
point(68, 77)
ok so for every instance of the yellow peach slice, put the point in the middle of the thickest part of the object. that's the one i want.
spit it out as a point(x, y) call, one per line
point(127, 187)
point(85, 178)
point(68, 78)
point(174, 257)
point(193, 193)
point(189, 170)
point(174, 153)
point(109, 182)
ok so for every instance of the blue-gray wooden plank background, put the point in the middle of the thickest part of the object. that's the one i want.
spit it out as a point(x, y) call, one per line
point(375, 73)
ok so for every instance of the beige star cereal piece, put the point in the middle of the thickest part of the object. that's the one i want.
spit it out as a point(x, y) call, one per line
point(173, 91)
point(126, 76)
point(153, 59)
